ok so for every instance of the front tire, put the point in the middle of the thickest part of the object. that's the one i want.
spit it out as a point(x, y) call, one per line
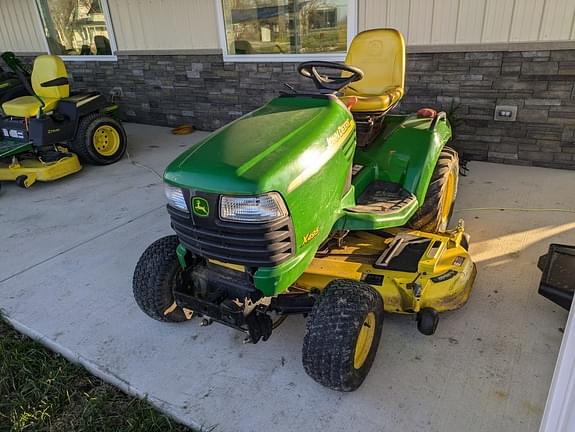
point(434, 215)
point(343, 334)
point(100, 140)
point(157, 274)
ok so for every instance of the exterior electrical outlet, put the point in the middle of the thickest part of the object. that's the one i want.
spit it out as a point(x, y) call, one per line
point(505, 113)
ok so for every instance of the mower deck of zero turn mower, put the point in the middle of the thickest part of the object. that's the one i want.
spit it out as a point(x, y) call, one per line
point(26, 171)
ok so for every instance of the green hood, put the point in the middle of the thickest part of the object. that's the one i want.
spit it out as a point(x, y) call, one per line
point(263, 151)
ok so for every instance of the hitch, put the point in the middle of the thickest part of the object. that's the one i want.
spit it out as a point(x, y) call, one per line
point(252, 319)
point(260, 326)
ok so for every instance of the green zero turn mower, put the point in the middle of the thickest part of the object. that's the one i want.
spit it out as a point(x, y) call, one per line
point(45, 134)
point(318, 204)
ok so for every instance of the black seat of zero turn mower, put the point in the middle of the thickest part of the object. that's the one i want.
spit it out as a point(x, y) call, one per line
point(382, 197)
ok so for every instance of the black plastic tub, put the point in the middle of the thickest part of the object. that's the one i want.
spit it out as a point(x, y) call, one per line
point(558, 278)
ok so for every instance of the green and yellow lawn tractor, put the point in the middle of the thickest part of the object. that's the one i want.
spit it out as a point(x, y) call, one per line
point(44, 135)
point(320, 204)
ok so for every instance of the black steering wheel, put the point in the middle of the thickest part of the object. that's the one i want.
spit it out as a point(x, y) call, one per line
point(329, 83)
point(14, 63)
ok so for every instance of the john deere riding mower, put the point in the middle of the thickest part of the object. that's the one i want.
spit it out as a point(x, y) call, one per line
point(295, 208)
point(43, 136)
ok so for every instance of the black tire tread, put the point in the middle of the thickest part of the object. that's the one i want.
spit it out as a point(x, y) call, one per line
point(151, 281)
point(428, 217)
point(332, 330)
point(82, 143)
point(427, 322)
point(21, 181)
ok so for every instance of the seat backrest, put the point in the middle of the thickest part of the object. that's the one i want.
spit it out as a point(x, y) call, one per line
point(380, 54)
point(47, 68)
point(103, 46)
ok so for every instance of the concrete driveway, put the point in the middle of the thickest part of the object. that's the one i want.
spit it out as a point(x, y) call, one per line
point(68, 250)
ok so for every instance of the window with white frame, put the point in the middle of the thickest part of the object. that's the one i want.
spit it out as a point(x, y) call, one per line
point(289, 27)
point(76, 27)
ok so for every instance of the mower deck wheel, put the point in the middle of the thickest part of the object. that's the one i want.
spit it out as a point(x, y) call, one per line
point(343, 334)
point(465, 241)
point(100, 140)
point(22, 181)
point(427, 320)
point(157, 274)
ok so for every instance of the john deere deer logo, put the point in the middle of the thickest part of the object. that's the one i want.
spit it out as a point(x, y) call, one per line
point(200, 206)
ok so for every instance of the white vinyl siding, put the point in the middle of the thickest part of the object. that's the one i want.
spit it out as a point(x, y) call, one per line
point(172, 25)
point(497, 22)
point(472, 22)
point(558, 22)
point(444, 21)
point(526, 22)
point(20, 27)
point(164, 24)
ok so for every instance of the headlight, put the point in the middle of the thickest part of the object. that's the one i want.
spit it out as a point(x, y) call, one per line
point(175, 197)
point(259, 208)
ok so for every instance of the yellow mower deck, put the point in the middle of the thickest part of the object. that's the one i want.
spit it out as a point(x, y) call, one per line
point(439, 274)
point(33, 170)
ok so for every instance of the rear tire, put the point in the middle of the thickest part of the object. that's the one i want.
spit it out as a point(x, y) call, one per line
point(100, 140)
point(156, 275)
point(338, 351)
point(434, 215)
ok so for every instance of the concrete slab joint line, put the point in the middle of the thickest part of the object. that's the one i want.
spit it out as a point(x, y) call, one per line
point(488, 368)
point(75, 246)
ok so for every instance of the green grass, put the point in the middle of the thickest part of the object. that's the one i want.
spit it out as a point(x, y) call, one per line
point(42, 391)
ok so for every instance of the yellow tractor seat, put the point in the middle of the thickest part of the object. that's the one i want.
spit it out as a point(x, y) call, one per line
point(373, 103)
point(46, 68)
point(380, 54)
point(28, 106)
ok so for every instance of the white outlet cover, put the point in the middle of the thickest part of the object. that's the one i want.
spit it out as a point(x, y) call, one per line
point(505, 113)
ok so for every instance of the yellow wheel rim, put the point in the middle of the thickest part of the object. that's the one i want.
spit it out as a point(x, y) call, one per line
point(106, 140)
point(364, 341)
point(450, 188)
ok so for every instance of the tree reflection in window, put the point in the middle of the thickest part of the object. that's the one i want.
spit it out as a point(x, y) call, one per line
point(75, 27)
point(285, 26)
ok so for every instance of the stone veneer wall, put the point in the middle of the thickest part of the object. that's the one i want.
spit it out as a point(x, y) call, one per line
point(540, 83)
point(203, 90)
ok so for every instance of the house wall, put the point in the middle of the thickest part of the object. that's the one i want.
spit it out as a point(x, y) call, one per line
point(139, 25)
point(145, 25)
point(165, 82)
point(208, 92)
point(470, 85)
point(20, 28)
point(465, 22)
